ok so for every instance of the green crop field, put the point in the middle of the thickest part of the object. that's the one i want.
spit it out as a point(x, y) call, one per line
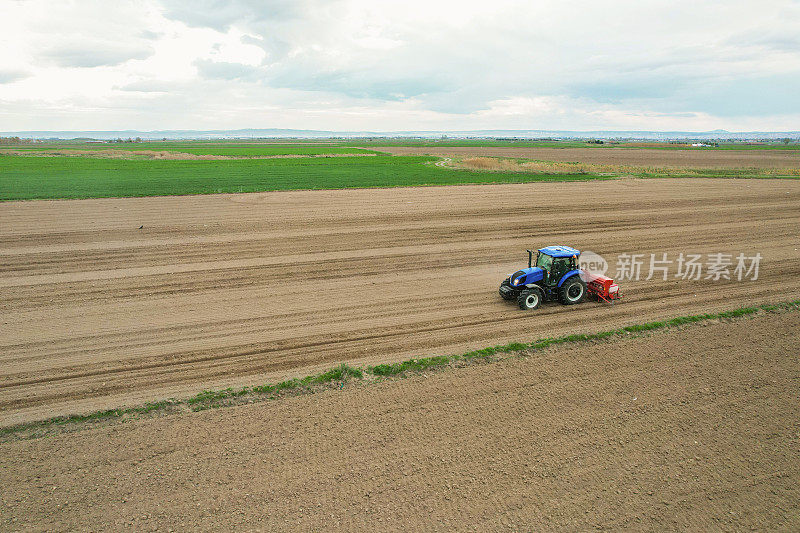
point(23, 178)
point(47, 174)
point(352, 146)
point(465, 143)
point(227, 149)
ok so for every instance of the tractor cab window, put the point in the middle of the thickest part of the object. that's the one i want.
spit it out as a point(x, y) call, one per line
point(560, 266)
point(544, 261)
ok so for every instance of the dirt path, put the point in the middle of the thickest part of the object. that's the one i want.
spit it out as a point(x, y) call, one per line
point(228, 290)
point(693, 158)
point(692, 429)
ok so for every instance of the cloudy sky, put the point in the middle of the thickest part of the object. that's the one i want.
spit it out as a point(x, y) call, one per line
point(400, 65)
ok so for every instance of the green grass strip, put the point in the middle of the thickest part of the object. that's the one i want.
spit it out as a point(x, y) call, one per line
point(30, 178)
point(340, 374)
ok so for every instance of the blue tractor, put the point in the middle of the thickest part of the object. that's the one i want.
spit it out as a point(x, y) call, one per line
point(555, 275)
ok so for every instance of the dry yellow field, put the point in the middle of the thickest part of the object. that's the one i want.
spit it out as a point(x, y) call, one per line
point(641, 157)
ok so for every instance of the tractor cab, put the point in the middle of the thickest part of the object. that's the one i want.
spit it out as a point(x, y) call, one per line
point(555, 262)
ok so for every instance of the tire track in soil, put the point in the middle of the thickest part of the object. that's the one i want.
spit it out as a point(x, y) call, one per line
point(685, 429)
point(233, 290)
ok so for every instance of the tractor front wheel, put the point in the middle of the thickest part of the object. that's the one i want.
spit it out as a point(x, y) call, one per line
point(572, 291)
point(530, 299)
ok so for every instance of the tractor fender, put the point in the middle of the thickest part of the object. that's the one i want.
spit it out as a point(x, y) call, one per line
point(568, 275)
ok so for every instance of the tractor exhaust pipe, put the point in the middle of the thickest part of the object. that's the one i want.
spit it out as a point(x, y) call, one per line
point(530, 258)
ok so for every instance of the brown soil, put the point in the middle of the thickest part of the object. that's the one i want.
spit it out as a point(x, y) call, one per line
point(498, 164)
point(233, 290)
point(655, 145)
point(691, 429)
point(698, 158)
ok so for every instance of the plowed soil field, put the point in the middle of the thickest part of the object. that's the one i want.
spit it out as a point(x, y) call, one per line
point(692, 158)
point(224, 290)
point(693, 429)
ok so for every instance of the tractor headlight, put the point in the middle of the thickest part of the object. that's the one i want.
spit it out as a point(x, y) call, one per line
point(516, 281)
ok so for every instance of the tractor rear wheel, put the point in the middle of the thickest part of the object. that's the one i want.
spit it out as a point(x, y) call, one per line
point(572, 291)
point(530, 299)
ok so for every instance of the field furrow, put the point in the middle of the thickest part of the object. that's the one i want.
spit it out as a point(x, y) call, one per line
point(227, 290)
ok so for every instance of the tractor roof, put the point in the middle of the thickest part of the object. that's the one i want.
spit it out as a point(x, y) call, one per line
point(559, 251)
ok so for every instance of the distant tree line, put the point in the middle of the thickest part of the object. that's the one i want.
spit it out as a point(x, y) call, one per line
point(14, 140)
point(128, 140)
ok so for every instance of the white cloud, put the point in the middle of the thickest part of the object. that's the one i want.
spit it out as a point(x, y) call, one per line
point(223, 70)
point(12, 75)
point(88, 55)
point(359, 64)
